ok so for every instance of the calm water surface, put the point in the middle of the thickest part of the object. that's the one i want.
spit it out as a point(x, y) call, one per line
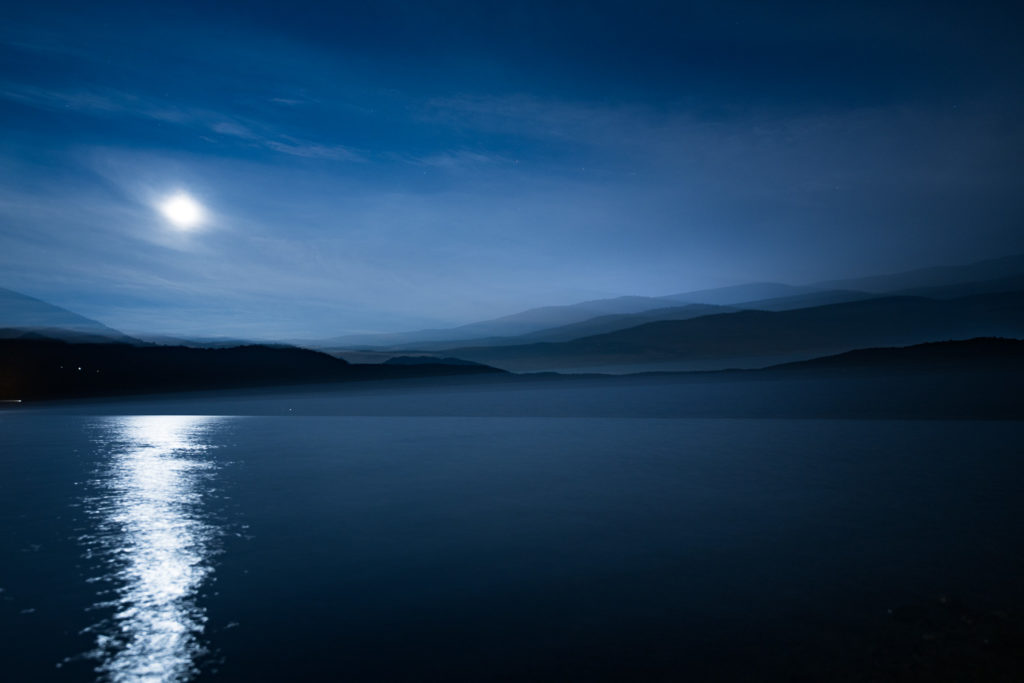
point(173, 548)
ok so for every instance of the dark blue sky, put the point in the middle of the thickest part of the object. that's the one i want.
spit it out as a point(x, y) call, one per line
point(389, 165)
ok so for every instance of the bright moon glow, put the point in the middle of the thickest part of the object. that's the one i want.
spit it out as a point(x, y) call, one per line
point(183, 211)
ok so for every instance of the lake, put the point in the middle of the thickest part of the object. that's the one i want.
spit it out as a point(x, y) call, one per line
point(142, 542)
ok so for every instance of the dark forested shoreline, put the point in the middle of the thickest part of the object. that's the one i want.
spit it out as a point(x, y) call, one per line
point(46, 368)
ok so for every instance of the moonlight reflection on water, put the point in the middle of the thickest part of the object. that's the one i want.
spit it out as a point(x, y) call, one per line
point(152, 545)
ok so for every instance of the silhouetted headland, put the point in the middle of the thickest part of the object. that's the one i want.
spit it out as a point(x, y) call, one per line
point(48, 368)
point(968, 379)
point(982, 354)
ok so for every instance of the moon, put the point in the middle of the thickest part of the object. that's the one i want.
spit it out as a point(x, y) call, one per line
point(182, 211)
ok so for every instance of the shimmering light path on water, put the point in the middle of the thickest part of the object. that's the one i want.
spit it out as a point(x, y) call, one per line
point(152, 545)
point(458, 549)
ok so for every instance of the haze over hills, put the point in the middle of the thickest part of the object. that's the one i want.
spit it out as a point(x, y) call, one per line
point(22, 315)
point(821, 298)
point(515, 324)
point(1012, 283)
point(939, 276)
point(597, 325)
point(690, 337)
point(611, 323)
point(546, 322)
point(550, 323)
point(736, 294)
point(634, 333)
point(759, 338)
point(549, 318)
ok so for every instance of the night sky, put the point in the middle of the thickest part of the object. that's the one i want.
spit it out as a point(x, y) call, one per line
point(379, 166)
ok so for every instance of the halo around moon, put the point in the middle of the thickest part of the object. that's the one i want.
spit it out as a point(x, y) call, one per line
point(182, 211)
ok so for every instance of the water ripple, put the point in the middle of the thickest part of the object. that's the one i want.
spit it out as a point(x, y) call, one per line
point(152, 545)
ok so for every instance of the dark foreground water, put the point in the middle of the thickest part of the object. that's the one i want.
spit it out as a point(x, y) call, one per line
point(389, 548)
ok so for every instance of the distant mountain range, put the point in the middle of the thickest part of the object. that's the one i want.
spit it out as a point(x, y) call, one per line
point(602, 323)
point(553, 323)
point(547, 318)
point(751, 338)
point(750, 325)
point(506, 326)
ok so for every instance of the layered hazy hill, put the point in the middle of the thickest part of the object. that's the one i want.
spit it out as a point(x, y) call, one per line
point(755, 291)
point(26, 316)
point(732, 326)
point(611, 323)
point(596, 325)
point(752, 338)
point(1005, 268)
point(545, 320)
point(49, 352)
point(506, 326)
point(745, 326)
point(564, 323)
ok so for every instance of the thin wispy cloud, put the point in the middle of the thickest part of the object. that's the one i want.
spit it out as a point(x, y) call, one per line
point(458, 159)
point(310, 150)
point(127, 105)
